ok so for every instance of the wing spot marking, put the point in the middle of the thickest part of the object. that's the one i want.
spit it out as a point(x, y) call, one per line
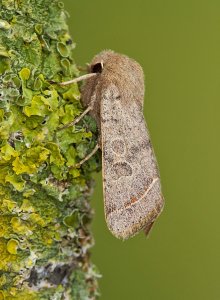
point(118, 146)
point(121, 169)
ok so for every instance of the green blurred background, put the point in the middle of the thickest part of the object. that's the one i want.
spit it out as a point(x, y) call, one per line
point(178, 45)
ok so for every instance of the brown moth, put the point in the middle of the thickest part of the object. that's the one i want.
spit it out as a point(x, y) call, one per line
point(114, 95)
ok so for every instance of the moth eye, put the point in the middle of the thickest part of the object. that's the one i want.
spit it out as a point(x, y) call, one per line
point(97, 68)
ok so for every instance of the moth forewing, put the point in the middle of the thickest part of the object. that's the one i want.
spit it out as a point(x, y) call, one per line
point(132, 193)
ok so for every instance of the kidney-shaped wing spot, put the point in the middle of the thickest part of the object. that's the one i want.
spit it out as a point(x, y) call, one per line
point(132, 191)
point(118, 146)
point(120, 169)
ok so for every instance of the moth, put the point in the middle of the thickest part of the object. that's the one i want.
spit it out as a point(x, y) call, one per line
point(113, 93)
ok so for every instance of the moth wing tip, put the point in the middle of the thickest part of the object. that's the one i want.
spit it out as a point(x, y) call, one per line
point(134, 228)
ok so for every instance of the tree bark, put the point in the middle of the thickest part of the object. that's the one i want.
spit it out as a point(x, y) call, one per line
point(44, 205)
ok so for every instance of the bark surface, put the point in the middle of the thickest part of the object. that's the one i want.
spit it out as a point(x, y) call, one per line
point(44, 206)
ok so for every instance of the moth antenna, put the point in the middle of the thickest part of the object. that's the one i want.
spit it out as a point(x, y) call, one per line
point(83, 77)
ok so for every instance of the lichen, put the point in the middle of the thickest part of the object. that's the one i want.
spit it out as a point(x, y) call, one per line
point(44, 206)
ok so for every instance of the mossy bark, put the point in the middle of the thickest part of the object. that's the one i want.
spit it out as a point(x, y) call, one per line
point(44, 206)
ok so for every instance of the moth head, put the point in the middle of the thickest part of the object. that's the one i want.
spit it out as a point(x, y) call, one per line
point(100, 61)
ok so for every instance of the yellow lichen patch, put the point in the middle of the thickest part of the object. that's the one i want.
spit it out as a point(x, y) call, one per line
point(16, 294)
point(12, 246)
point(2, 231)
point(47, 238)
point(40, 136)
point(20, 168)
point(29, 193)
point(7, 260)
point(25, 73)
point(36, 218)
point(16, 282)
point(2, 296)
point(2, 191)
point(75, 173)
point(29, 263)
point(4, 226)
point(8, 205)
point(26, 206)
point(3, 280)
point(57, 233)
point(30, 260)
point(3, 174)
point(55, 155)
point(16, 181)
point(31, 160)
point(20, 227)
point(7, 152)
point(57, 236)
point(13, 291)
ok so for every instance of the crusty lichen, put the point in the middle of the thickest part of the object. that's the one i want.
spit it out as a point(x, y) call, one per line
point(44, 239)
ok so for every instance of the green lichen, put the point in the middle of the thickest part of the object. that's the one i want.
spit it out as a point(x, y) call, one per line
point(44, 209)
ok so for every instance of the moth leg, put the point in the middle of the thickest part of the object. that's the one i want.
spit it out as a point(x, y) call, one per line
point(77, 119)
point(90, 107)
point(88, 156)
point(83, 77)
